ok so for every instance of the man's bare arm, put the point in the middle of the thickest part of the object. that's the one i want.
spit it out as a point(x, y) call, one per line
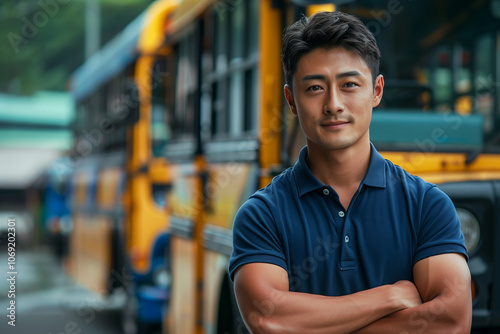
point(444, 284)
point(268, 306)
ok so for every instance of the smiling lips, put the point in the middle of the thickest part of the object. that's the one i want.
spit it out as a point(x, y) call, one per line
point(334, 124)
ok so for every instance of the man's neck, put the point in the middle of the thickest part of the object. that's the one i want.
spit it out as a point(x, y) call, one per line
point(343, 169)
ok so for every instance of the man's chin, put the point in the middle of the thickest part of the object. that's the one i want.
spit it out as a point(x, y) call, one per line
point(338, 145)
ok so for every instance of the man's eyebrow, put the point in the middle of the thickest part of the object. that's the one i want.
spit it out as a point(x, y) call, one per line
point(348, 74)
point(314, 77)
point(337, 76)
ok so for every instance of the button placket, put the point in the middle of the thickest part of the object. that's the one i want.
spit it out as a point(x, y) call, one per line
point(348, 254)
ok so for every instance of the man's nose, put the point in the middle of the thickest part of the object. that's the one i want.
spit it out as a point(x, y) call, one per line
point(334, 102)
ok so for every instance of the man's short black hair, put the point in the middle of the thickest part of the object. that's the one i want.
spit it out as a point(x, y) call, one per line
point(328, 30)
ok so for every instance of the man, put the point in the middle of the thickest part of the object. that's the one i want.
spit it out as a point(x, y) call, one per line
point(344, 241)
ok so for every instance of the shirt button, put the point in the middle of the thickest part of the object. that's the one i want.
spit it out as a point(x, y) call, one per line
point(341, 214)
point(346, 238)
point(326, 192)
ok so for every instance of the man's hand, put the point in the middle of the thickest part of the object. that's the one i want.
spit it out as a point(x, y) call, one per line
point(443, 281)
point(407, 294)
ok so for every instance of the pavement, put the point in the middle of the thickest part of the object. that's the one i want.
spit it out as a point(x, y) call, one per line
point(38, 297)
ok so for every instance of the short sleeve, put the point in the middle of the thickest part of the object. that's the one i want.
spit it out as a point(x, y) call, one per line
point(255, 237)
point(439, 230)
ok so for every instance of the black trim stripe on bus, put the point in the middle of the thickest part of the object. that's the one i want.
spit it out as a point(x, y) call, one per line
point(218, 239)
point(99, 160)
point(180, 151)
point(181, 227)
point(117, 211)
point(232, 150)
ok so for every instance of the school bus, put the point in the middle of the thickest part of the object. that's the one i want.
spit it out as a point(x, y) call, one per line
point(231, 132)
point(210, 126)
point(117, 196)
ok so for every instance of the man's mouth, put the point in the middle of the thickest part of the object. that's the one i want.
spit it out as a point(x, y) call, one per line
point(334, 124)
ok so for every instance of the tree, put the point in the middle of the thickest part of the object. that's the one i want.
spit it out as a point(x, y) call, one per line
point(44, 39)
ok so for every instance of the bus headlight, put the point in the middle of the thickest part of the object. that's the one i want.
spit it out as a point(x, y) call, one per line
point(161, 277)
point(470, 228)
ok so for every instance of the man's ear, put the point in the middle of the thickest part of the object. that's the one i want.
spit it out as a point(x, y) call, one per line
point(289, 99)
point(378, 90)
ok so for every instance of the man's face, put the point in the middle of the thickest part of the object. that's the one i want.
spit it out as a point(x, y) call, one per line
point(333, 97)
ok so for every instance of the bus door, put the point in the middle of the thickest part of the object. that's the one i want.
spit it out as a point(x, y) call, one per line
point(229, 124)
point(187, 167)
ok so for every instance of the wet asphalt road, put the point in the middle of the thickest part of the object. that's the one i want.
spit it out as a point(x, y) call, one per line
point(48, 302)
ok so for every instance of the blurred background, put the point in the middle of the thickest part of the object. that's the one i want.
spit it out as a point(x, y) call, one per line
point(43, 43)
point(131, 131)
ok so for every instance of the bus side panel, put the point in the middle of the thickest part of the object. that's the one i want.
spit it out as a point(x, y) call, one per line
point(77, 198)
point(181, 199)
point(229, 186)
point(182, 314)
point(89, 257)
point(441, 167)
point(147, 221)
point(91, 246)
point(215, 269)
point(182, 210)
point(91, 252)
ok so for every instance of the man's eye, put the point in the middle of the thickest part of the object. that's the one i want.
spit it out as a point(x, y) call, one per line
point(350, 85)
point(314, 88)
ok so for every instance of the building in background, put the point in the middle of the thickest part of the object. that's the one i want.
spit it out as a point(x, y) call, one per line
point(34, 132)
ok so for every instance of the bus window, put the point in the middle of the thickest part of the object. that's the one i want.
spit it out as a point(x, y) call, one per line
point(253, 32)
point(462, 81)
point(93, 110)
point(251, 98)
point(496, 115)
point(105, 126)
point(483, 80)
point(250, 121)
point(82, 110)
point(220, 41)
point(122, 115)
point(237, 23)
point(232, 80)
point(442, 78)
point(186, 86)
point(236, 103)
point(219, 109)
point(160, 130)
point(219, 119)
point(236, 85)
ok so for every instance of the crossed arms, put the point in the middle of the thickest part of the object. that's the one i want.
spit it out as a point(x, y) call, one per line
point(439, 301)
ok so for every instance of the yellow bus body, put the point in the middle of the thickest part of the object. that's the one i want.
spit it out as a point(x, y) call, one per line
point(146, 219)
point(97, 213)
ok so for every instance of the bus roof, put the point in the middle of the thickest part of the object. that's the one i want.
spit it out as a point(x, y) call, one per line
point(108, 61)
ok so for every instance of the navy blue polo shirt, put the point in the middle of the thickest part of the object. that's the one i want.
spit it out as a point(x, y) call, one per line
point(393, 220)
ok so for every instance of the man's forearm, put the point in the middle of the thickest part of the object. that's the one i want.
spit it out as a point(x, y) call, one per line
point(291, 312)
point(444, 284)
point(440, 315)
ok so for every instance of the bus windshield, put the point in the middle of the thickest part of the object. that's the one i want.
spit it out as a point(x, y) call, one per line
point(438, 57)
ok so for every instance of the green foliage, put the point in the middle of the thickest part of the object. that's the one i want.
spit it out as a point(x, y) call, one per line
point(43, 40)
